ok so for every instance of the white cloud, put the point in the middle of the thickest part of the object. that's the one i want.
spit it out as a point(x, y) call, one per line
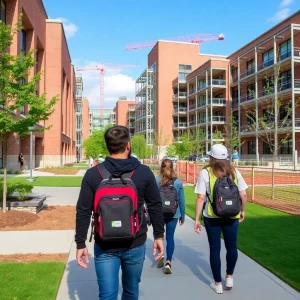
point(285, 3)
point(115, 85)
point(280, 15)
point(70, 28)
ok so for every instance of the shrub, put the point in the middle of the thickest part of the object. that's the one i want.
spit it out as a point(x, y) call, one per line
point(23, 190)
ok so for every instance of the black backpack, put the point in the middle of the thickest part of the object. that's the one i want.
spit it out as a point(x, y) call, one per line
point(169, 198)
point(226, 200)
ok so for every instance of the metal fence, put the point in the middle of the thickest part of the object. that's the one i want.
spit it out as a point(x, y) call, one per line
point(278, 188)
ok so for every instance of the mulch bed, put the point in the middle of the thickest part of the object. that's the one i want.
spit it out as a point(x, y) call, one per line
point(28, 258)
point(60, 171)
point(50, 218)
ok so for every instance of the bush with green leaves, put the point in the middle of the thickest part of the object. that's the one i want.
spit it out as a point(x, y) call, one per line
point(23, 190)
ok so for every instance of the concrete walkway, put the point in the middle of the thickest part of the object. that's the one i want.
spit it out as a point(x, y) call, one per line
point(190, 279)
point(46, 241)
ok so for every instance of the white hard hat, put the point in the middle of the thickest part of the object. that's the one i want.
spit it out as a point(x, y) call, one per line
point(218, 151)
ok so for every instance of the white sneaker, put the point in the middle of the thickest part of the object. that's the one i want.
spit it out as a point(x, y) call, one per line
point(217, 288)
point(229, 283)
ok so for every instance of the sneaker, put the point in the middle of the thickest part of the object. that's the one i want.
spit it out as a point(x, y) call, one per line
point(168, 269)
point(160, 263)
point(229, 283)
point(217, 288)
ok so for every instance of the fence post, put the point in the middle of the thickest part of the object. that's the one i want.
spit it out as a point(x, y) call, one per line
point(252, 196)
point(187, 172)
point(194, 173)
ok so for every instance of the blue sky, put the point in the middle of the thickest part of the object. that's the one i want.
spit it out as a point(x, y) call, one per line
point(98, 31)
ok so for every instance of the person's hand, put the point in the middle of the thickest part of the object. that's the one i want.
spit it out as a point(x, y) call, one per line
point(242, 216)
point(197, 227)
point(158, 245)
point(181, 222)
point(80, 254)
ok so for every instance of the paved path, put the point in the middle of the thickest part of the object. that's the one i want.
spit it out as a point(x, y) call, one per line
point(46, 242)
point(58, 195)
point(190, 279)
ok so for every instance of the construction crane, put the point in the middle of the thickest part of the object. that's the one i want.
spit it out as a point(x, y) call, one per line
point(102, 68)
point(192, 38)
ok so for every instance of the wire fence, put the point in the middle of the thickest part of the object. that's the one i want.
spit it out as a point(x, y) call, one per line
point(278, 188)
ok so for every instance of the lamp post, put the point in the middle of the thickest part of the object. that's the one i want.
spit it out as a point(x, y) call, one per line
point(31, 129)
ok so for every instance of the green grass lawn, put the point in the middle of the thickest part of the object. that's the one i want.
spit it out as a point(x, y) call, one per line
point(56, 181)
point(270, 237)
point(24, 281)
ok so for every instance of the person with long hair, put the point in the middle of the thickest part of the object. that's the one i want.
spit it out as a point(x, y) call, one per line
point(219, 167)
point(167, 177)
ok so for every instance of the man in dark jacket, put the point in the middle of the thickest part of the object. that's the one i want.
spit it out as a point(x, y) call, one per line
point(130, 255)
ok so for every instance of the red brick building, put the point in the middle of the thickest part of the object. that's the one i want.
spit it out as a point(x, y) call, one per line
point(57, 145)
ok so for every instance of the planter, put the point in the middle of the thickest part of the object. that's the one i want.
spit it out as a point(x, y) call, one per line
point(33, 205)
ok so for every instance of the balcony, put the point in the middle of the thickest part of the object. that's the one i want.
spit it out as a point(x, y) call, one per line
point(217, 101)
point(235, 103)
point(265, 64)
point(217, 82)
point(180, 125)
point(192, 91)
point(192, 123)
point(180, 95)
point(284, 55)
point(131, 125)
point(249, 72)
point(285, 85)
point(297, 53)
point(297, 84)
point(202, 121)
point(202, 87)
point(247, 98)
point(218, 119)
point(201, 104)
point(180, 110)
point(192, 107)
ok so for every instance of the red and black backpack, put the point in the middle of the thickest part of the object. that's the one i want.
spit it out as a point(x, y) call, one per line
point(116, 209)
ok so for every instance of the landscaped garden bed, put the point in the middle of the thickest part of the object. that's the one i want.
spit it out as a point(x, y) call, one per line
point(31, 205)
point(65, 170)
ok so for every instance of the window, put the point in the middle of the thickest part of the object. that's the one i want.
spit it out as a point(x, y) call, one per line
point(285, 50)
point(285, 112)
point(234, 74)
point(3, 11)
point(268, 58)
point(268, 115)
point(23, 41)
point(202, 83)
point(78, 107)
point(266, 148)
point(184, 70)
point(250, 67)
point(185, 67)
point(182, 76)
point(285, 80)
point(251, 147)
point(251, 119)
point(250, 91)
point(286, 148)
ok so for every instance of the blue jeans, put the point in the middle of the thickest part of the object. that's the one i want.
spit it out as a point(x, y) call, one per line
point(229, 228)
point(107, 266)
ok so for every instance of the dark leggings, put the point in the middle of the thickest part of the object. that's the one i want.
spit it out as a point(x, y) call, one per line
point(229, 228)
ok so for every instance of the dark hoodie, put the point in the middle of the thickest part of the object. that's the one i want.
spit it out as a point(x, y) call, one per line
point(145, 183)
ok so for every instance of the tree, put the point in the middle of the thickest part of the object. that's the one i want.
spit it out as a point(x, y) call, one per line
point(18, 90)
point(276, 117)
point(185, 147)
point(160, 140)
point(171, 150)
point(95, 144)
point(198, 140)
point(217, 136)
point(138, 145)
point(232, 139)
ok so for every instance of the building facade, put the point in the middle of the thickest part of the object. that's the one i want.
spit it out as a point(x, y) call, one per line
point(98, 123)
point(79, 118)
point(86, 130)
point(55, 146)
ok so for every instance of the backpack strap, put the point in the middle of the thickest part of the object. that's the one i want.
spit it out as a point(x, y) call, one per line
point(105, 174)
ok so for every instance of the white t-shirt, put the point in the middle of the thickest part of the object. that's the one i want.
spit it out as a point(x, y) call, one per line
point(202, 187)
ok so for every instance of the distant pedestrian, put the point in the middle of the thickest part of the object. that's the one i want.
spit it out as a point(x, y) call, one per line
point(116, 191)
point(21, 161)
point(91, 162)
point(173, 208)
point(101, 159)
point(220, 180)
point(235, 158)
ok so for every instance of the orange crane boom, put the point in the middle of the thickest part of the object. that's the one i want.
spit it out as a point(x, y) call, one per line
point(191, 38)
point(102, 67)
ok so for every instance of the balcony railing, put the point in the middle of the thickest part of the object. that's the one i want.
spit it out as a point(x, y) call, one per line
point(266, 92)
point(202, 86)
point(180, 125)
point(248, 97)
point(235, 102)
point(265, 64)
point(131, 125)
point(297, 83)
point(284, 85)
point(192, 91)
point(179, 110)
point(247, 73)
point(297, 52)
point(201, 103)
point(202, 121)
point(192, 107)
point(220, 82)
point(217, 101)
point(284, 55)
point(180, 95)
point(218, 119)
point(192, 123)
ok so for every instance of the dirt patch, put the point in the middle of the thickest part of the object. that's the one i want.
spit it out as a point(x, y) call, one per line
point(51, 218)
point(27, 258)
point(60, 170)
